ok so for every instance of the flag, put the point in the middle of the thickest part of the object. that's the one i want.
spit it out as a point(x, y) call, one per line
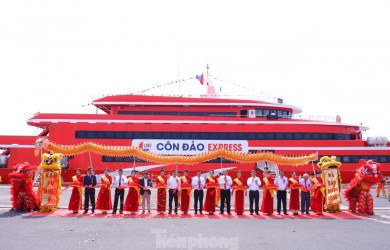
point(200, 78)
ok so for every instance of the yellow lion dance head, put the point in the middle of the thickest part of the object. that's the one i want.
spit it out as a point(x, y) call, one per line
point(51, 161)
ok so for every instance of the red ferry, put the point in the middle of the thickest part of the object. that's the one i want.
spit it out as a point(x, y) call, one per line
point(191, 125)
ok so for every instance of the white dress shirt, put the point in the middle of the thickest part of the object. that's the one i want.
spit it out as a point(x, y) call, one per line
point(251, 182)
point(281, 182)
point(146, 182)
point(123, 181)
point(173, 182)
point(198, 182)
point(225, 182)
point(307, 184)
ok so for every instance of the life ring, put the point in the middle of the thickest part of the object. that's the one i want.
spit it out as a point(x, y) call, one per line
point(338, 119)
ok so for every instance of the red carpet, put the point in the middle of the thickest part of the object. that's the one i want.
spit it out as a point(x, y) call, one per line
point(66, 213)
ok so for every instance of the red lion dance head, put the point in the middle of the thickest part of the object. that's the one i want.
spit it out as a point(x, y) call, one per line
point(23, 196)
point(357, 193)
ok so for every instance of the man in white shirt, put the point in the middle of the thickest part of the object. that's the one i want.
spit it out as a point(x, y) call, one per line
point(198, 183)
point(120, 183)
point(282, 182)
point(254, 184)
point(173, 186)
point(305, 193)
point(225, 182)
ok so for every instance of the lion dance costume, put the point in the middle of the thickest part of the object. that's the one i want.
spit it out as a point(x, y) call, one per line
point(23, 196)
point(357, 193)
point(50, 182)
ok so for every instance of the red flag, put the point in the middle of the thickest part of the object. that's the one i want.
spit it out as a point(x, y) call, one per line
point(201, 79)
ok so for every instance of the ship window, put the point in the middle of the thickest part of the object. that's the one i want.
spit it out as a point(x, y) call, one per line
point(265, 112)
point(219, 160)
point(232, 136)
point(109, 134)
point(366, 158)
point(241, 136)
point(148, 135)
point(100, 134)
point(355, 159)
point(279, 136)
point(80, 134)
point(194, 135)
point(259, 113)
point(316, 136)
point(185, 135)
point(207, 135)
point(251, 136)
point(128, 135)
point(137, 135)
point(279, 113)
point(346, 159)
point(91, 134)
point(120, 159)
point(214, 136)
point(260, 136)
point(374, 158)
point(298, 136)
point(176, 113)
point(383, 159)
point(119, 135)
point(175, 135)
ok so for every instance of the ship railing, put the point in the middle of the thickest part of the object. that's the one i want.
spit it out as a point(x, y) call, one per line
point(314, 118)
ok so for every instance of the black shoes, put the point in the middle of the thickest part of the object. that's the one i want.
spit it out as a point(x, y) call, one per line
point(85, 211)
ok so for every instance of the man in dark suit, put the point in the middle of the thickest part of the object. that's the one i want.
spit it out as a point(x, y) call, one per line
point(89, 182)
point(145, 185)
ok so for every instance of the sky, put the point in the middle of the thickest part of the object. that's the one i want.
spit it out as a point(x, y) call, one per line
point(328, 57)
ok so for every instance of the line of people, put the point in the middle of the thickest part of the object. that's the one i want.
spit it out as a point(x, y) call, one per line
point(304, 193)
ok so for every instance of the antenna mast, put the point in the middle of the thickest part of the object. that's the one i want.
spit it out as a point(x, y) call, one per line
point(210, 85)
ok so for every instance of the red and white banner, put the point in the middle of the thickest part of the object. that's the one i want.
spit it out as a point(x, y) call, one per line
point(50, 182)
point(332, 186)
point(189, 147)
